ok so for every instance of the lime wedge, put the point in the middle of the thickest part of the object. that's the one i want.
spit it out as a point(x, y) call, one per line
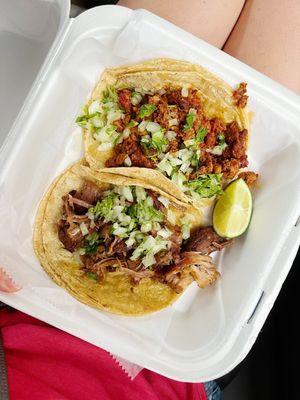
point(232, 212)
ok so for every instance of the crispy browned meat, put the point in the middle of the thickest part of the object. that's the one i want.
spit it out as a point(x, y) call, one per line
point(130, 144)
point(173, 146)
point(217, 126)
point(128, 147)
point(124, 97)
point(205, 241)
point(71, 238)
point(118, 247)
point(175, 98)
point(90, 193)
point(232, 132)
point(119, 124)
point(170, 104)
point(116, 161)
point(139, 159)
point(230, 168)
point(193, 266)
point(194, 99)
point(239, 95)
point(239, 146)
point(249, 177)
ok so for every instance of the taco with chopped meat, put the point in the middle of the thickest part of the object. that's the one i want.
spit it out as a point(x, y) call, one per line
point(120, 244)
point(170, 122)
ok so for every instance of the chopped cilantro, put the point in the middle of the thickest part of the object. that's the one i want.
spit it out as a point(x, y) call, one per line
point(132, 123)
point(92, 242)
point(189, 122)
point(200, 135)
point(146, 110)
point(206, 185)
point(92, 276)
point(110, 95)
point(103, 207)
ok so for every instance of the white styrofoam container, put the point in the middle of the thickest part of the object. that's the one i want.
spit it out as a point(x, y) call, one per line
point(27, 31)
point(209, 331)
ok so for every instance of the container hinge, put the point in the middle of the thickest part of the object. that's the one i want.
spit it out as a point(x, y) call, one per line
point(256, 307)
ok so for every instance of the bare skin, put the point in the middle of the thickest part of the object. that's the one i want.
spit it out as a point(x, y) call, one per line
point(264, 34)
point(267, 37)
point(212, 20)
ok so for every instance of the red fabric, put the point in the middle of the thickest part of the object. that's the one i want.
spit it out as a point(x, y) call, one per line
point(46, 363)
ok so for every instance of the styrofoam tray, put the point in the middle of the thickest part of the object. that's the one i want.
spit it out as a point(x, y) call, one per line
point(207, 332)
point(27, 31)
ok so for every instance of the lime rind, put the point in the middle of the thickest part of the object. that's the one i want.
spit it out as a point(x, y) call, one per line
point(233, 210)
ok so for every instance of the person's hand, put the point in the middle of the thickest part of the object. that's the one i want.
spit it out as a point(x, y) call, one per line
point(6, 282)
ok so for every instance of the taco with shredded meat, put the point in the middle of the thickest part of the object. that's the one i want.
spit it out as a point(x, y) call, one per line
point(170, 122)
point(120, 244)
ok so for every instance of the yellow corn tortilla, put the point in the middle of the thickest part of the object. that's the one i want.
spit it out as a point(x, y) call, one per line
point(115, 294)
point(216, 96)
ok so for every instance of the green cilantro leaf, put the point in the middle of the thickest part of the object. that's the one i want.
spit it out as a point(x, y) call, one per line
point(189, 122)
point(92, 276)
point(206, 185)
point(146, 110)
point(103, 207)
point(200, 135)
point(92, 242)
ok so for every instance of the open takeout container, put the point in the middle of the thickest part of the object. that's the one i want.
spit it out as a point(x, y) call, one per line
point(207, 332)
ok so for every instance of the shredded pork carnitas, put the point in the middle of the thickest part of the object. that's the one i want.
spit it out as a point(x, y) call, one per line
point(105, 248)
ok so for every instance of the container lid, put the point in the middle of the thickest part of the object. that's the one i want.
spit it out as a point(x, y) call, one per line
point(27, 31)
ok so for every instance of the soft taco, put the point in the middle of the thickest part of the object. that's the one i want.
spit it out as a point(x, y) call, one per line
point(170, 122)
point(120, 244)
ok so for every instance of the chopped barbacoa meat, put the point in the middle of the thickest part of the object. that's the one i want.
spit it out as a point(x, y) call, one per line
point(206, 241)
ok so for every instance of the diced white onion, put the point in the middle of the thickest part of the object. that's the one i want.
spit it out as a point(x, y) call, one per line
point(120, 231)
point(124, 219)
point(84, 229)
point(163, 200)
point(126, 191)
point(103, 136)
point(146, 227)
point(184, 91)
point(192, 111)
point(140, 193)
point(218, 150)
point(173, 122)
point(142, 126)
point(105, 146)
point(94, 107)
point(153, 127)
point(185, 230)
point(173, 114)
point(174, 160)
point(126, 133)
point(178, 178)
point(149, 201)
point(165, 166)
point(164, 233)
point(184, 167)
point(128, 162)
point(170, 135)
point(171, 217)
point(148, 260)
point(97, 122)
point(131, 241)
point(136, 98)
point(118, 210)
point(113, 115)
point(189, 143)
